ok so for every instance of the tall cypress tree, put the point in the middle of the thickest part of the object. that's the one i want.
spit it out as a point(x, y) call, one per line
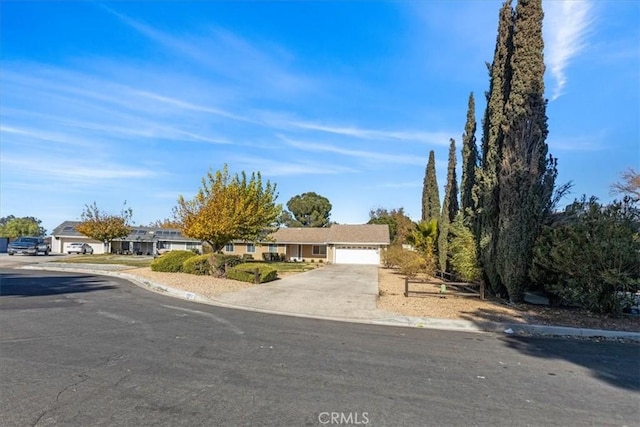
point(450, 208)
point(469, 160)
point(451, 192)
point(526, 178)
point(430, 193)
point(486, 190)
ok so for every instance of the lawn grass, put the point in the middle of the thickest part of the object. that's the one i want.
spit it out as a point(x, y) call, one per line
point(291, 267)
point(130, 260)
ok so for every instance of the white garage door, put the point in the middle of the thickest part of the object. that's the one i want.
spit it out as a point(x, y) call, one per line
point(357, 255)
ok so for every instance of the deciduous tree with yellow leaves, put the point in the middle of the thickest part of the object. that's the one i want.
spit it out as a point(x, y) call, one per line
point(103, 226)
point(228, 208)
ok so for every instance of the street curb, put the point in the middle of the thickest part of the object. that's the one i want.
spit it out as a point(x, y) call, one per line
point(511, 329)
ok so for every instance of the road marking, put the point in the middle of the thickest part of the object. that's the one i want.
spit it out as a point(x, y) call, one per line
point(225, 322)
point(118, 317)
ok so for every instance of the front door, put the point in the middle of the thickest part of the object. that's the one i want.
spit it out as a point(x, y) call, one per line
point(295, 253)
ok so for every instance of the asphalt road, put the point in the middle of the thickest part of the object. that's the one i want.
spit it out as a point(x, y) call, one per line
point(80, 350)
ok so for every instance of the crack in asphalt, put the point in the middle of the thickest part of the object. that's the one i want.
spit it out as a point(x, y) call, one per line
point(84, 376)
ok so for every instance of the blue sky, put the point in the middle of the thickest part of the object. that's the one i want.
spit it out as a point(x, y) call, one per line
point(135, 101)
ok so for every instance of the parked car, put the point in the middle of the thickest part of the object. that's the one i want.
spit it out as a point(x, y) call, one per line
point(79, 248)
point(28, 246)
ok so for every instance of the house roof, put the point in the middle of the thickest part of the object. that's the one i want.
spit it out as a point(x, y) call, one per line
point(300, 235)
point(337, 233)
point(363, 233)
point(138, 233)
point(373, 234)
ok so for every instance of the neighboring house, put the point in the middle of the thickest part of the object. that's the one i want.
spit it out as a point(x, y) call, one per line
point(141, 240)
point(338, 244)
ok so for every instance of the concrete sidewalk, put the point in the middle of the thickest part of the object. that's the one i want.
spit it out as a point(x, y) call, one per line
point(338, 293)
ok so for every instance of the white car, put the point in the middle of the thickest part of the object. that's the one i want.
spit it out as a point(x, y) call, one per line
point(79, 248)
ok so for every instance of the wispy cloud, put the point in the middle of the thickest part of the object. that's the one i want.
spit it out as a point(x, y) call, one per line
point(567, 26)
point(192, 107)
point(264, 66)
point(366, 155)
point(9, 132)
point(435, 138)
point(68, 170)
point(290, 168)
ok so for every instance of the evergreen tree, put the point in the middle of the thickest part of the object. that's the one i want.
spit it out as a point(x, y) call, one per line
point(307, 210)
point(430, 193)
point(486, 190)
point(450, 209)
point(469, 160)
point(462, 248)
point(451, 191)
point(526, 177)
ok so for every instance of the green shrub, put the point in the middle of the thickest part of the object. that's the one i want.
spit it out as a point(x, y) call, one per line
point(462, 251)
point(590, 255)
point(171, 262)
point(220, 262)
point(246, 272)
point(198, 265)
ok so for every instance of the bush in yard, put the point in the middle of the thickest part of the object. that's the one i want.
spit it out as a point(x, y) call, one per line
point(246, 272)
point(590, 255)
point(220, 262)
point(171, 262)
point(198, 265)
point(462, 249)
point(412, 263)
point(392, 256)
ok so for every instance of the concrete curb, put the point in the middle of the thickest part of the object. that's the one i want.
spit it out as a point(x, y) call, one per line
point(516, 329)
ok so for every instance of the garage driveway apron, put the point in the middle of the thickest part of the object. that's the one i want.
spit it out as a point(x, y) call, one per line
point(334, 290)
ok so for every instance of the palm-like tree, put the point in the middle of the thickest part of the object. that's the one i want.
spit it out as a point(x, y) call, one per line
point(423, 238)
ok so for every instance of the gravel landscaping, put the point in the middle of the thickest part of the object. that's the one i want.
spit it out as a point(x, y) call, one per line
point(491, 309)
point(207, 286)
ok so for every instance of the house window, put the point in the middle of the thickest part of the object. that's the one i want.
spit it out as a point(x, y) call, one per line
point(319, 250)
point(251, 248)
point(228, 247)
point(192, 245)
point(273, 248)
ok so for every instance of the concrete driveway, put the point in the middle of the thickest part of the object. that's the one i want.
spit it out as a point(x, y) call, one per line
point(336, 291)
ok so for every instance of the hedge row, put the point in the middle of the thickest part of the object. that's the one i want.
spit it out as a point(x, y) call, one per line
point(246, 273)
point(229, 265)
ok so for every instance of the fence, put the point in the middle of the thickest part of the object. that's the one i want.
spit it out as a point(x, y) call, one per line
point(447, 287)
